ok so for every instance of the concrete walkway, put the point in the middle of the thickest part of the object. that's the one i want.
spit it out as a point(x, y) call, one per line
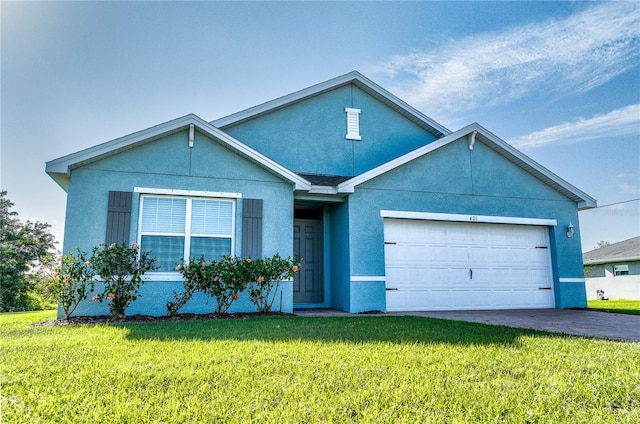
point(567, 321)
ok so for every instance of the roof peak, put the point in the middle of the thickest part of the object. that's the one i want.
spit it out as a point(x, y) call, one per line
point(353, 77)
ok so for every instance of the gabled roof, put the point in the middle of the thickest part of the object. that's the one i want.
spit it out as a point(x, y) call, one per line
point(500, 146)
point(626, 250)
point(353, 77)
point(60, 169)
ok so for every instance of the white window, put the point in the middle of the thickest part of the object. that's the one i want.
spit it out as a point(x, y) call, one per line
point(620, 270)
point(353, 124)
point(173, 228)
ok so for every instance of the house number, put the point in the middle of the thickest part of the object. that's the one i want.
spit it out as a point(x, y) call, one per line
point(473, 218)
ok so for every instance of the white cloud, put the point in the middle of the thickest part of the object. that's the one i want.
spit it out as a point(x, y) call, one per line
point(619, 122)
point(570, 55)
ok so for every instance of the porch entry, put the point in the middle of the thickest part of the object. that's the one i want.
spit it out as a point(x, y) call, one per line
point(308, 284)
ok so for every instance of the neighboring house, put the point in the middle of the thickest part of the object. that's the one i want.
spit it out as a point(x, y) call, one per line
point(614, 271)
point(389, 210)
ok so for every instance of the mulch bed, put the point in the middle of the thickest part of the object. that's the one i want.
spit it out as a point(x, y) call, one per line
point(106, 319)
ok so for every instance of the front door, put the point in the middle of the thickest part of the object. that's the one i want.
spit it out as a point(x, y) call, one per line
point(307, 244)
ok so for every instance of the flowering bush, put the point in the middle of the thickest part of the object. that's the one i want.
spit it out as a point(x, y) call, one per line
point(268, 273)
point(222, 279)
point(121, 268)
point(198, 276)
point(70, 279)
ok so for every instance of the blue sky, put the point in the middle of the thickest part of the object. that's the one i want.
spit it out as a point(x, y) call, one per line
point(558, 80)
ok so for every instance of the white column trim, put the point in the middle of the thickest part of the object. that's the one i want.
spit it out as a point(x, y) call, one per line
point(571, 280)
point(368, 278)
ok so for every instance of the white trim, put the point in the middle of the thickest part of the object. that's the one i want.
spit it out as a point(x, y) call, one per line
point(367, 278)
point(611, 260)
point(571, 280)
point(428, 216)
point(192, 193)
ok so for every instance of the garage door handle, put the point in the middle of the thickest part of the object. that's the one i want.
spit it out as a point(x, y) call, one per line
point(390, 288)
point(471, 274)
point(544, 288)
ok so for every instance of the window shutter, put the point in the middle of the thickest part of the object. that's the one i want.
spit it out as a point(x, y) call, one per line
point(118, 217)
point(252, 228)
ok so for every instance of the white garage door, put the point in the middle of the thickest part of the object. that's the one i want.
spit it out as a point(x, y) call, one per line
point(441, 265)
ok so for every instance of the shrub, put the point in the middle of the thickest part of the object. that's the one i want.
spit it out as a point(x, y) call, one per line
point(121, 268)
point(198, 276)
point(70, 279)
point(222, 279)
point(268, 273)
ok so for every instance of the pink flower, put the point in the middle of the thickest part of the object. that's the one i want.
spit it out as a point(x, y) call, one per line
point(260, 279)
point(95, 298)
point(111, 296)
point(87, 263)
point(202, 263)
point(65, 281)
point(295, 268)
point(235, 296)
point(112, 245)
point(48, 288)
point(134, 245)
point(249, 260)
point(55, 275)
point(178, 268)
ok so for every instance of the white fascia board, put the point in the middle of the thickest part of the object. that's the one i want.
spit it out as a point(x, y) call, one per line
point(612, 260)
point(318, 189)
point(428, 216)
point(583, 200)
point(349, 185)
point(352, 77)
point(60, 168)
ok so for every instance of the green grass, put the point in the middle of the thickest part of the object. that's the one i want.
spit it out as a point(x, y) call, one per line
point(298, 370)
point(631, 307)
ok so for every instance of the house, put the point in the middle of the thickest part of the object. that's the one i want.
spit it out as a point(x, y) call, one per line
point(389, 210)
point(614, 271)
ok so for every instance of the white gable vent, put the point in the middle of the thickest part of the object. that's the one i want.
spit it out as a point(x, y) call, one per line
point(353, 124)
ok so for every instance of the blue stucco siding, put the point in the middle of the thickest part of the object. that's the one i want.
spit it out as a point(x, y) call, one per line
point(454, 180)
point(339, 255)
point(168, 163)
point(309, 136)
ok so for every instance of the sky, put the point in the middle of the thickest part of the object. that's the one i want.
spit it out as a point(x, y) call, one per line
point(558, 80)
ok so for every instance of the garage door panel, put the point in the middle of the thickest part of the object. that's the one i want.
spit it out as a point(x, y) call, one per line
point(452, 265)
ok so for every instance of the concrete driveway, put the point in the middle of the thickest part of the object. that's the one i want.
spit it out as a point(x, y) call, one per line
point(567, 321)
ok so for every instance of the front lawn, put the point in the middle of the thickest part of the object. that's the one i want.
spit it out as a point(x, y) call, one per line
point(297, 370)
point(631, 307)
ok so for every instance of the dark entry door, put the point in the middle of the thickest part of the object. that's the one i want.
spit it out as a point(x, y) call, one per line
point(307, 243)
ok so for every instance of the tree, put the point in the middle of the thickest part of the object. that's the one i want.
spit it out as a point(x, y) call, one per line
point(22, 247)
point(602, 243)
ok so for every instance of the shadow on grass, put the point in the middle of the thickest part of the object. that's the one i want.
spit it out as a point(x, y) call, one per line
point(356, 330)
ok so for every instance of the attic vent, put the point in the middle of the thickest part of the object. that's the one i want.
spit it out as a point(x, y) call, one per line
point(353, 124)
